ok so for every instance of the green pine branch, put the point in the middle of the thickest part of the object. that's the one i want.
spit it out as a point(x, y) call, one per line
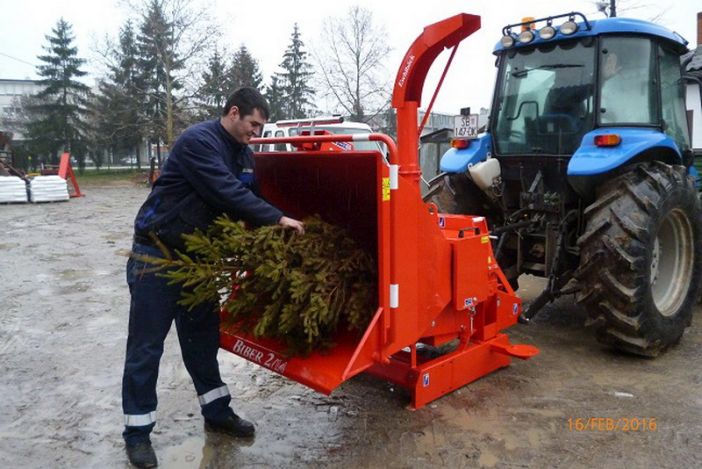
point(277, 284)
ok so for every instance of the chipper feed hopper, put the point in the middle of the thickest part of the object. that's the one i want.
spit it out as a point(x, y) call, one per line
point(438, 281)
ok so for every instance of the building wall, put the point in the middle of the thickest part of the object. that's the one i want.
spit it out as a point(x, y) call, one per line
point(694, 104)
point(10, 93)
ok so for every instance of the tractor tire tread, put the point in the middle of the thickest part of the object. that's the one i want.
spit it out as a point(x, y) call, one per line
point(614, 268)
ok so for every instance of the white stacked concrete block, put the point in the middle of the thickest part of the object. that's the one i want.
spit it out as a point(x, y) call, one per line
point(12, 189)
point(48, 189)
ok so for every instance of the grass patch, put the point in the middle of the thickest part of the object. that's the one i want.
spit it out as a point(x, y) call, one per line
point(109, 175)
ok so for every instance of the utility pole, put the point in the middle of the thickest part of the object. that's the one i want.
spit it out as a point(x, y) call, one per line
point(603, 6)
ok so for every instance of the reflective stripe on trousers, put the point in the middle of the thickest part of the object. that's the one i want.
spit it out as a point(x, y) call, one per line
point(139, 420)
point(213, 395)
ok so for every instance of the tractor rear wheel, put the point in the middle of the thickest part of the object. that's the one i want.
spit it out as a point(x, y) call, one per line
point(641, 258)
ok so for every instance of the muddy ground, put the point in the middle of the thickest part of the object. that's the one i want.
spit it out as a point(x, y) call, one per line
point(63, 323)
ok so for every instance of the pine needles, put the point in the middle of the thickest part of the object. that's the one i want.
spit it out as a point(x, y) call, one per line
point(278, 284)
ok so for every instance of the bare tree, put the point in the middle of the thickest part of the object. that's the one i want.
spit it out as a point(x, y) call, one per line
point(352, 64)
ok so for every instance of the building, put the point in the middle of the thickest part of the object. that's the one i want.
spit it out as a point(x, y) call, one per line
point(11, 92)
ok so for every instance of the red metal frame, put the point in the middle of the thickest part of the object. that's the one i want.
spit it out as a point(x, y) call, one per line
point(65, 171)
point(438, 280)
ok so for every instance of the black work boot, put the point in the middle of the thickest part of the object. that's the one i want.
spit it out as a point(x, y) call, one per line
point(233, 426)
point(142, 455)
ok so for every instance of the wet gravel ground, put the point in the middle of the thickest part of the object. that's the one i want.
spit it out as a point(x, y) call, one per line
point(63, 323)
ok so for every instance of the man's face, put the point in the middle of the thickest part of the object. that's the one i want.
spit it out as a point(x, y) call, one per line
point(243, 129)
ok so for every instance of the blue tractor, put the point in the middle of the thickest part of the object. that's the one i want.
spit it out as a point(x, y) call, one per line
point(586, 174)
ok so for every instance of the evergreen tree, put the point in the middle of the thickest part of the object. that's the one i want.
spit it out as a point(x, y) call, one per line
point(295, 78)
point(58, 122)
point(173, 35)
point(215, 87)
point(130, 86)
point(276, 100)
point(117, 108)
point(102, 139)
point(158, 61)
point(38, 130)
point(244, 70)
point(298, 289)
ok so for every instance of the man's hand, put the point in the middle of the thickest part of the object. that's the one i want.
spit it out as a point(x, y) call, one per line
point(292, 223)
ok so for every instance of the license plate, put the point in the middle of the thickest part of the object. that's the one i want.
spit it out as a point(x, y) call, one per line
point(465, 126)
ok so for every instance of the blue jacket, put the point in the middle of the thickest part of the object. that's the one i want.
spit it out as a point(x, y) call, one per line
point(207, 174)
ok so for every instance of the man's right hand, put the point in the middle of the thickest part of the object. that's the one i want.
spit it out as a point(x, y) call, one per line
point(292, 223)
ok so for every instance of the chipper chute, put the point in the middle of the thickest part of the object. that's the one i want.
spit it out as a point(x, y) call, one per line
point(438, 280)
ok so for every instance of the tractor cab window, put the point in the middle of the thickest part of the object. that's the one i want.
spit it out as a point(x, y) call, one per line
point(627, 94)
point(673, 99)
point(545, 98)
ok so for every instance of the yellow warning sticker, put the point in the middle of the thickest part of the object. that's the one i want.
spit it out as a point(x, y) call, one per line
point(386, 189)
point(485, 239)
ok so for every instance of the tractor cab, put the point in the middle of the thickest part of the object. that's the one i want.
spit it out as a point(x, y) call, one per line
point(585, 174)
point(557, 83)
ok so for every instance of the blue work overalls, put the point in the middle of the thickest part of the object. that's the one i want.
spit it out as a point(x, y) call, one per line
point(207, 173)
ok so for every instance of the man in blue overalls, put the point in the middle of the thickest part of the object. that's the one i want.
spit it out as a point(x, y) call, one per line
point(210, 171)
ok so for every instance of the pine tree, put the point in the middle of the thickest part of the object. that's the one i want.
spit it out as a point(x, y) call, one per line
point(117, 108)
point(276, 100)
point(173, 35)
point(244, 70)
point(58, 122)
point(295, 78)
point(296, 289)
point(214, 89)
point(129, 83)
point(158, 62)
point(102, 137)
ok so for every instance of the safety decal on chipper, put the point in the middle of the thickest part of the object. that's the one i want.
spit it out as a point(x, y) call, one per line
point(386, 189)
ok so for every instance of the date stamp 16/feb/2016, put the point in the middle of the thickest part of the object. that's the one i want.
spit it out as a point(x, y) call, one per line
point(612, 424)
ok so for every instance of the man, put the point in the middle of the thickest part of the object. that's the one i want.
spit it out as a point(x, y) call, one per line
point(210, 171)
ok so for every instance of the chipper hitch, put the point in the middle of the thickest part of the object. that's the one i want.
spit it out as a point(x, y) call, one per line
point(438, 280)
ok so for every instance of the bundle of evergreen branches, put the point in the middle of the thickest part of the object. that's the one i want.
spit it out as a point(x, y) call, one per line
point(279, 284)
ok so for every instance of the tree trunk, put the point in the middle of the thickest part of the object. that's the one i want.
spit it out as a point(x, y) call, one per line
point(169, 110)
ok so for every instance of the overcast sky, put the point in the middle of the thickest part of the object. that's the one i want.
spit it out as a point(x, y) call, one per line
point(265, 28)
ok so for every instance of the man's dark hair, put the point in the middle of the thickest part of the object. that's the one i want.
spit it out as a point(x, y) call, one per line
point(246, 99)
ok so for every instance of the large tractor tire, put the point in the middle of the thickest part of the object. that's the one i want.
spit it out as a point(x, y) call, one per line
point(641, 258)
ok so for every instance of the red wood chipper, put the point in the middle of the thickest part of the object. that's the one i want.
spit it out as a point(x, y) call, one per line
point(438, 280)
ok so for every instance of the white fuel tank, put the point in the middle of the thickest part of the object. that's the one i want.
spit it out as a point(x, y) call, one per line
point(485, 172)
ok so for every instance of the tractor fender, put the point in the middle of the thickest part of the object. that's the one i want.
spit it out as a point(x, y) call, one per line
point(457, 160)
point(591, 160)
